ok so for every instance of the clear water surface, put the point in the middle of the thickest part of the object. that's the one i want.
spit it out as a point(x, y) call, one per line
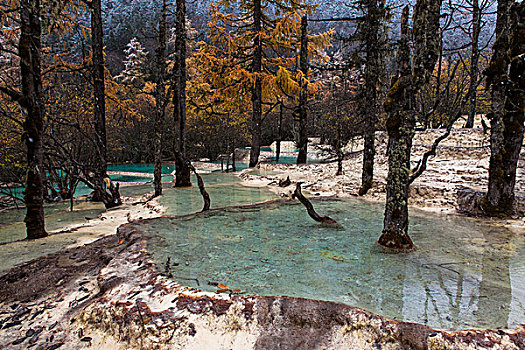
point(464, 274)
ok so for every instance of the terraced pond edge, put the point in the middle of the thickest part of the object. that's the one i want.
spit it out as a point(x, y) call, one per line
point(132, 304)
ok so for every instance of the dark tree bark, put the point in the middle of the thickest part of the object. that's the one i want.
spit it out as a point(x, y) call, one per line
point(279, 134)
point(506, 79)
point(99, 103)
point(104, 190)
point(257, 86)
point(370, 105)
point(285, 183)
point(182, 171)
point(234, 167)
point(303, 98)
point(474, 64)
point(30, 50)
point(200, 184)
point(325, 220)
point(400, 105)
point(339, 151)
point(160, 99)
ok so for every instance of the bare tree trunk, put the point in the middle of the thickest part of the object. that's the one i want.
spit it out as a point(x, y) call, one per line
point(183, 172)
point(160, 100)
point(505, 76)
point(474, 64)
point(257, 87)
point(279, 134)
point(99, 103)
point(371, 83)
point(339, 151)
point(30, 49)
point(339, 162)
point(400, 122)
point(303, 98)
point(234, 167)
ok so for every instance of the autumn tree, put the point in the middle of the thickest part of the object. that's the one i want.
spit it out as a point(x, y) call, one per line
point(302, 112)
point(412, 74)
point(507, 86)
point(253, 40)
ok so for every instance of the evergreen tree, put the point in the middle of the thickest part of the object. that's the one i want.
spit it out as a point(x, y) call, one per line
point(134, 64)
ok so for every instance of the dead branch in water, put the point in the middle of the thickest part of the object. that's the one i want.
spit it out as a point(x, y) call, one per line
point(325, 220)
point(200, 183)
point(285, 183)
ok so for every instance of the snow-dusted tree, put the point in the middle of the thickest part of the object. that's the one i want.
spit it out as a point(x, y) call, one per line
point(134, 65)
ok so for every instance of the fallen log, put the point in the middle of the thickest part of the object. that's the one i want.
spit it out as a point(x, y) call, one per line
point(325, 220)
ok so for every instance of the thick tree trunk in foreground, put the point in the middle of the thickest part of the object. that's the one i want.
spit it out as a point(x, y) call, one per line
point(303, 98)
point(257, 87)
point(474, 64)
point(99, 103)
point(506, 79)
point(400, 122)
point(369, 107)
point(29, 49)
point(182, 175)
point(160, 99)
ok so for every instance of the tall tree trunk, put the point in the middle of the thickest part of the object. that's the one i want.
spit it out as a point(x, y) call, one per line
point(99, 103)
point(401, 120)
point(257, 86)
point(160, 99)
point(279, 134)
point(339, 151)
point(438, 78)
point(183, 172)
point(370, 107)
point(474, 64)
point(505, 76)
point(30, 49)
point(303, 98)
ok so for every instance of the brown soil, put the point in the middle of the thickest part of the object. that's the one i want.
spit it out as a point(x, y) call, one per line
point(43, 276)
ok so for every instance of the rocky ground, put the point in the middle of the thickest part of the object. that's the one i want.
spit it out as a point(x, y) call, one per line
point(106, 293)
point(109, 295)
point(461, 162)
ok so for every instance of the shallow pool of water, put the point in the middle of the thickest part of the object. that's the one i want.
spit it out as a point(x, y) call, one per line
point(224, 190)
point(57, 216)
point(464, 274)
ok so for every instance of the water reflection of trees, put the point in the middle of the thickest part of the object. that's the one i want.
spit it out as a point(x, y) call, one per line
point(455, 296)
point(495, 292)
